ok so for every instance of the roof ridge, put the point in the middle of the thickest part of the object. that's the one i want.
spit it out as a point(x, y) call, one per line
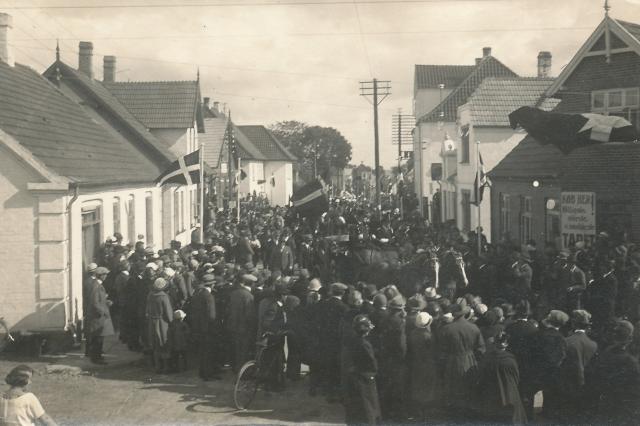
point(151, 81)
point(532, 78)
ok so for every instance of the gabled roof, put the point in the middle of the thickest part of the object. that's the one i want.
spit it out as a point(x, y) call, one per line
point(108, 103)
point(488, 67)
point(530, 159)
point(430, 76)
point(497, 97)
point(160, 104)
point(625, 36)
point(57, 131)
point(213, 139)
point(267, 144)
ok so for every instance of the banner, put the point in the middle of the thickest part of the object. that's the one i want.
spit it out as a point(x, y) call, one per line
point(577, 217)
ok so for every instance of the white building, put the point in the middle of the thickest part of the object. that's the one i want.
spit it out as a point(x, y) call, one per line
point(73, 169)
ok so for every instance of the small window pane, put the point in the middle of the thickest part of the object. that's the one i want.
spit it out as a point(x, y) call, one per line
point(631, 97)
point(615, 99)
point(598, 100)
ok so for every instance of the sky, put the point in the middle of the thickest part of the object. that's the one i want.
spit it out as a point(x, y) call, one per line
point(275, 60)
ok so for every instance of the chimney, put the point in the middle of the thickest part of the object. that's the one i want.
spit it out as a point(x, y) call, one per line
point(216, 107)
point(478, 60)
point(109, 69)
point(544, 64)
point(486, 51)
point(85, 58)
point(205, 102)
point(6, 53)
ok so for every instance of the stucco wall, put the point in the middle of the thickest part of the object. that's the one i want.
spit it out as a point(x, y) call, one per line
point(425, 100)
point(282, 173)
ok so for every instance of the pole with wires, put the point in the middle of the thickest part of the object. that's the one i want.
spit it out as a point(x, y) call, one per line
point(478, 183)
point(202, 183)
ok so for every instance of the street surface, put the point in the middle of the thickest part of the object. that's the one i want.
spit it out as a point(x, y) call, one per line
point(127, 392)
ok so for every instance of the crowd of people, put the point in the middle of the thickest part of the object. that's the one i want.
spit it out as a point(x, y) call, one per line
point(452, 334)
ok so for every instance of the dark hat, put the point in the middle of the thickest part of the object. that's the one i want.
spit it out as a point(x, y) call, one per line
point(417, 303)
point(362, 324)
point(623, 332)
point(397, 302)
point(208, 280)
point(101, 270)
point(458, 310)
point(338, 288)
point(379, 301)
point(556, 319)
point(580, 317)
point(291, 302)
point(369, 290)
point(281, 288)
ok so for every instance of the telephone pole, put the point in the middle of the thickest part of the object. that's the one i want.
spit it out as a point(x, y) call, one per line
point(379, 90)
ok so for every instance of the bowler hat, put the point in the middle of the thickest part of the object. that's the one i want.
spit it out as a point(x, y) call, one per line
point(379, 301)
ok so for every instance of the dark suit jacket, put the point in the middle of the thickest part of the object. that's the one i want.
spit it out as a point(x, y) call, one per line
point(281, 259)
point(580, 351)
point(330, 313)
point(242, 311)
point(244, 251)
point(203, 311)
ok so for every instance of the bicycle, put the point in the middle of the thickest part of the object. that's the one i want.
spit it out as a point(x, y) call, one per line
point(253, 374)
point(5, 335)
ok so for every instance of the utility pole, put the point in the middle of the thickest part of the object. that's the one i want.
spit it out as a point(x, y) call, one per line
point(231, 151)
point(378, 90)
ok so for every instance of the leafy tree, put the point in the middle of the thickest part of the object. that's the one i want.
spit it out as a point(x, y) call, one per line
point(318, 148)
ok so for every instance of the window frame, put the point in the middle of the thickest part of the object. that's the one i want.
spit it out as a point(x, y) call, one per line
point(505, 213)
point(526, 219)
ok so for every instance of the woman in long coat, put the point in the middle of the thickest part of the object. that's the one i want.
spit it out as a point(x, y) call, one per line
point(159, 314)
point(421, 359)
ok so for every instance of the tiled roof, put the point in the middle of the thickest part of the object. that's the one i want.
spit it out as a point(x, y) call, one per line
point(530, 159)
point(266, 143)
point(158, 150)
point(58, 132)
point(633, 29)
point(213, 139)
point(430, 76)
point(497, 97)
point(159, 104)
point(488, 67)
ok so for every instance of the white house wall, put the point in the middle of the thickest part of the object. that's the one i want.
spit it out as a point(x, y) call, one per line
point(180, 141)
point(282, 172)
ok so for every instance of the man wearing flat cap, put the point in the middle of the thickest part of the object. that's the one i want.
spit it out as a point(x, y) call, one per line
point(98, 317)
point(241, 322)
point(330, 313)
point(203, 316)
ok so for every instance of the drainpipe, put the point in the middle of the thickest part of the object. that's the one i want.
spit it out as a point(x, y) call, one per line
point(73, 304)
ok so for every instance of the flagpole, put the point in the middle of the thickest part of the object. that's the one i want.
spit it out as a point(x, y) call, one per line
point(201, 155)
point(239, 178)
point(478, 232)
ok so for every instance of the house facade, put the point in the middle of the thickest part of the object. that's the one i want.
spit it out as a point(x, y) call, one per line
point(484, 128)
point(438, 92)
point(527, 184)
point(68, 178)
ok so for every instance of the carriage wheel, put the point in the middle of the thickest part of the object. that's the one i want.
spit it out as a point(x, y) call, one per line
point(246, 385)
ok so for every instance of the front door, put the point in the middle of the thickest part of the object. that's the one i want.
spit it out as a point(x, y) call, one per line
point(91, 224)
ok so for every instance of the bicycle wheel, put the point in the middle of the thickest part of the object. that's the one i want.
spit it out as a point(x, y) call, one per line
point(246, 385)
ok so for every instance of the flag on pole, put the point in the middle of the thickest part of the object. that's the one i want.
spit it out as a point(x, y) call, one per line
point(483, 179)
point(571, 131)
point(311, 199)
point(184, 171)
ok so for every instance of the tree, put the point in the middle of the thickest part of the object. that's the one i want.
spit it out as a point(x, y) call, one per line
point(318, 148)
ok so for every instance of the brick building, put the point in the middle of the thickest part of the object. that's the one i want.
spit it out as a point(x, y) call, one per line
point(603, 77)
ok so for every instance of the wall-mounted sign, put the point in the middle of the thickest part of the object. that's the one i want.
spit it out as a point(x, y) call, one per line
point(577, 217)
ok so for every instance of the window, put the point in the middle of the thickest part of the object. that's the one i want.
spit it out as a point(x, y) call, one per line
point(131, 219)
point(465, 202)
point(505, 214)
point(182, 211)
point(91, 232)
point(526, 219)
point(148, 204)
point(464, 145)
point(176, 212)
point(116, 215)
point(619, 102)
point(552, 220)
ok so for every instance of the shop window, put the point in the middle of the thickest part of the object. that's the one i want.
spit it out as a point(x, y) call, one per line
point(552, 220)
point(131, 219)
point(116, 215)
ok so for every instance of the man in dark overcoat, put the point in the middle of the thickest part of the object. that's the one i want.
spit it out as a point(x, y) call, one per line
point(241, 322)
point(203, 312)
point(393, 340)
point(99, 323)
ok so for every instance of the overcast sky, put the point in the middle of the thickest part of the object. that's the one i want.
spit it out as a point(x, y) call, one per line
point(302, 60)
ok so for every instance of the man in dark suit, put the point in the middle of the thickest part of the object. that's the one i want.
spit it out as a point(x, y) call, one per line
point(392, 372)
point(330, 313)
point(273, 322)
point(98, 317)
point(244, 251)
point(282, 258)
point(241, 322)
point(521, 334)
point(580, 351)
point(203, 312)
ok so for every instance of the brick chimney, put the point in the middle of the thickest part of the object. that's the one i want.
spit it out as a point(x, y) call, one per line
point(478, 60)
point(544, 64)
point(216, 107)
point(85, 58)
point(486, 51)
point(6, 52)
point(109, 69)
point(205, 102)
